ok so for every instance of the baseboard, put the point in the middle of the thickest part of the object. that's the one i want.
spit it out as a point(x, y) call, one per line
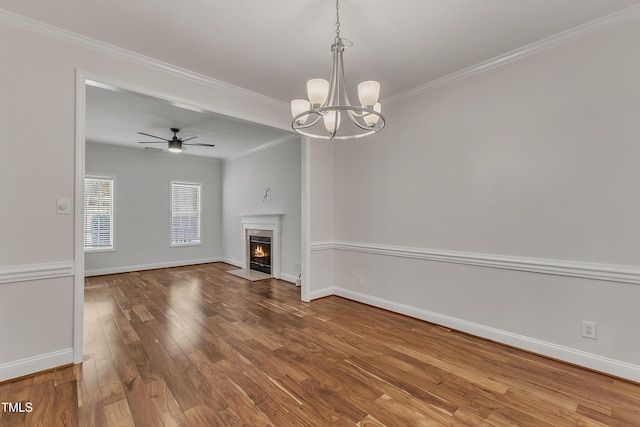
point(35, 364)
point(142, 267)
point(231, 261)
point(292, 278)
point(321, 293)
point(566, 354)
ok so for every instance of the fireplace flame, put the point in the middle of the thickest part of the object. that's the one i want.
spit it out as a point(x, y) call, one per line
point(259, 252)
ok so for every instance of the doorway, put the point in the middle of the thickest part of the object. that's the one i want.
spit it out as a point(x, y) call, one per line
point(86, 82)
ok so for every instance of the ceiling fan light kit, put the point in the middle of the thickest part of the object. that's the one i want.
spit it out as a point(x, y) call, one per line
point(175, 143)
point(328, 100)
point(175, 146)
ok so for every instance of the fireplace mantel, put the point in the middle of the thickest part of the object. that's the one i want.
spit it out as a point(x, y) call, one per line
point(268, 222)
point(274, 219)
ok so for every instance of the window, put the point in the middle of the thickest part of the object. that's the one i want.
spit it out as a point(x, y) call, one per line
point(185, 214)
point(98, 213)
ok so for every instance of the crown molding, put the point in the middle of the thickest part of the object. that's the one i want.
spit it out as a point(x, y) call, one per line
point(270, 144)
point(66, 36)
point(576, 33)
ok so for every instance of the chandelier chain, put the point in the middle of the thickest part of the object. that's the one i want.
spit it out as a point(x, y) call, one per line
point(338, 19)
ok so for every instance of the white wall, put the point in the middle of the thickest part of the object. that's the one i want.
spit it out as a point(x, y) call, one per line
point(142, 207)
point(245, 180)
point(533, 162)
point(321, 217)
point(38, 110)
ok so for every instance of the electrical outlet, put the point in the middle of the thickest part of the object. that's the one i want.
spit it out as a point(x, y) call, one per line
point(139, 256)
point(359, 280)
point(589, 330)
point(297, 267)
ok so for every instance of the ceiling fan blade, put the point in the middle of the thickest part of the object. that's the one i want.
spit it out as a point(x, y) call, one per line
point(150, 142)
point(189, 138)
point(153, 136)
point(201, 145)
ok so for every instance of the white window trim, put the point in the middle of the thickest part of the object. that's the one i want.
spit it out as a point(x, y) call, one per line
point(113, 213)
point(183, 245)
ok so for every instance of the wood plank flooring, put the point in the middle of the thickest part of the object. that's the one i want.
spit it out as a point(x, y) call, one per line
point(196, 346)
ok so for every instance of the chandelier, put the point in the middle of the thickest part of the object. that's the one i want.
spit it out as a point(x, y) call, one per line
point(328, 114)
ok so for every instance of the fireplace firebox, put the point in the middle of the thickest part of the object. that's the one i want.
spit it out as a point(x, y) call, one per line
point(260, 253)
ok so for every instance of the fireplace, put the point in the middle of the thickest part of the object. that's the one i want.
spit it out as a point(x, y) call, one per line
point(260, 244)
point(260, 253)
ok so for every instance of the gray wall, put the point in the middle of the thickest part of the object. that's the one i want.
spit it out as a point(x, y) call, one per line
point(142, 207)
point(245, 181)
point(454, 210)
point(39, 100)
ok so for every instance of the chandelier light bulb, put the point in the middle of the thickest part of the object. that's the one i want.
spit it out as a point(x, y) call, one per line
point(330, 121)
point(317, 91)
point(372, 119)
point(299, 106)
point(368, 92)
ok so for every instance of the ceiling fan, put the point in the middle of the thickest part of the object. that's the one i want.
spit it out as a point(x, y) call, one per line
point(175, 143)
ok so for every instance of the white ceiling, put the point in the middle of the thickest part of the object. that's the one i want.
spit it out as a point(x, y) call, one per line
point(116, 117)
point(273, 47)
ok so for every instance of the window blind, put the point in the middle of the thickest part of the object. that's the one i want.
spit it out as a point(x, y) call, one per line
point(98, 213)
point(185, 213)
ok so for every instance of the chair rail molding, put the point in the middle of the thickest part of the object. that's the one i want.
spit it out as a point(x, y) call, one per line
point(29, 272)
point(585, 270)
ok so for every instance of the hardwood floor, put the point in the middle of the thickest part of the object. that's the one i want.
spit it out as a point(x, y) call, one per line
point(196, 346)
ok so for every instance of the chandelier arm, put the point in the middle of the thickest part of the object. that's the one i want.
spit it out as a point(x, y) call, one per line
point(353, 114)
point(348, 108)
point(295, 125)
point(337, 137)
point(337, 88)
point(355, 119)
point(361, 126)
point(363, 113)
point(341, 77)
point(333, 90)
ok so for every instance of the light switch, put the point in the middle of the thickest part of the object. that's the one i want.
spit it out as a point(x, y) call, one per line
point(63, 206)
